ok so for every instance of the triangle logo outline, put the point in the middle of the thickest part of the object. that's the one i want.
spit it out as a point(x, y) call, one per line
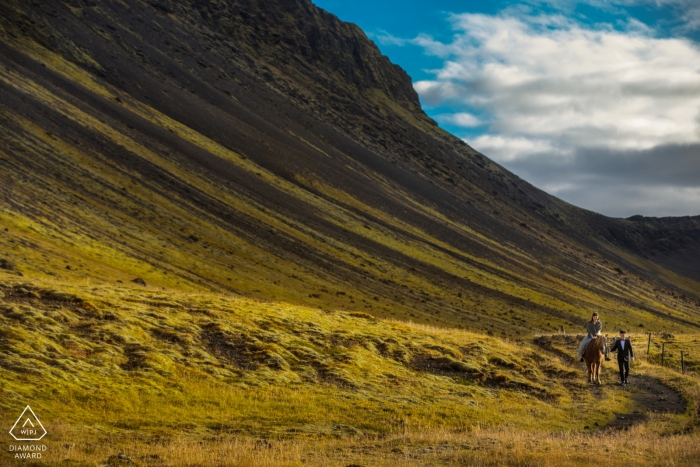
point(28, 419)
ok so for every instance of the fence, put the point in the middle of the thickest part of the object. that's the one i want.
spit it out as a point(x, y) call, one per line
point(684, 354)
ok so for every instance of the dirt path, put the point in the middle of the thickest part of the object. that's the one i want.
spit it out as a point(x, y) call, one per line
point(650, 396)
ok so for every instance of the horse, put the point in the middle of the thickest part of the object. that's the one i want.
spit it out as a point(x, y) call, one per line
point(593, 356)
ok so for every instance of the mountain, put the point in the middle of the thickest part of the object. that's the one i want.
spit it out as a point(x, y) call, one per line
point(268, 149)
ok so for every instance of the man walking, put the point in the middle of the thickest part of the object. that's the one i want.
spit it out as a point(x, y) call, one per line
point(623, 346)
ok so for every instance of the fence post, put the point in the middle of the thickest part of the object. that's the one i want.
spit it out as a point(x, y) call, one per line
point(563, 331)
point(663, 353)
point(649, 344)
point(682, 363)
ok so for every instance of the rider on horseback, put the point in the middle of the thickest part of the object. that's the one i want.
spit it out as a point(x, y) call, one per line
point(594, 327)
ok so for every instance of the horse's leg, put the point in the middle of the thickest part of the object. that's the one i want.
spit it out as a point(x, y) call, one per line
point(595, 372)
point(590, 371)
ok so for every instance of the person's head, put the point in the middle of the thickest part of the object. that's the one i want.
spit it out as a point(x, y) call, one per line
point(622, 334)
point(594, 318)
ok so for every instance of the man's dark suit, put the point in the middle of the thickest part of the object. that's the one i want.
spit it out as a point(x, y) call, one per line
point(623, 357)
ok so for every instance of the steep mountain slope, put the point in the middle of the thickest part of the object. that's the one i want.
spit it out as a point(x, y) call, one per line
point(269, 149)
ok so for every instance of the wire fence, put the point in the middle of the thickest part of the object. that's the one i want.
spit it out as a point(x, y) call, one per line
point(672, 355)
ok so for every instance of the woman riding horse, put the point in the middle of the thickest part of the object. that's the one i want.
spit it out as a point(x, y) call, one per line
point(594, 328)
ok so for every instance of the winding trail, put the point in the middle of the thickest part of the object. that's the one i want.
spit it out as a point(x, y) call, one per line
point(650, 396)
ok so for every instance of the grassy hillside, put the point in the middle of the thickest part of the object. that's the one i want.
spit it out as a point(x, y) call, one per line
point(174, 346)
point(216, 379)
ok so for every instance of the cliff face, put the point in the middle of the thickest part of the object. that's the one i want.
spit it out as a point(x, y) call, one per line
point(269, 149)
point(302, 40)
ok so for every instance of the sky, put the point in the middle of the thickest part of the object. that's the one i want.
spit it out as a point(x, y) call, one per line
point(596, 102)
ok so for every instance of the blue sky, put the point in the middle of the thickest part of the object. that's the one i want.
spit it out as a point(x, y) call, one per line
point(597, 102)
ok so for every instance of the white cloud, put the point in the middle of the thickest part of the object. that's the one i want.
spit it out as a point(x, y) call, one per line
point(462, 119)
point(508, 149)
point(548, 85)
point(583, 86)
point(385, 38)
